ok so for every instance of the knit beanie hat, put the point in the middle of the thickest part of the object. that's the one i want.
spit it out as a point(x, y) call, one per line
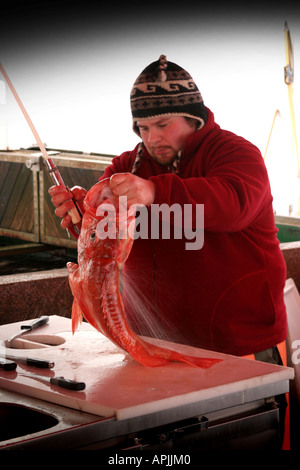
point(165, 89)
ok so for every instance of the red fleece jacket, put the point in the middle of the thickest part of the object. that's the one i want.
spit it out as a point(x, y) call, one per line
point(228, 295)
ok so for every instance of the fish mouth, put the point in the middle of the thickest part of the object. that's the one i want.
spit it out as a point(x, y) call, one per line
point(98, 194)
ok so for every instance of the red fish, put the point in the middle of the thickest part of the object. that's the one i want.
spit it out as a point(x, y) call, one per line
point(94, 281)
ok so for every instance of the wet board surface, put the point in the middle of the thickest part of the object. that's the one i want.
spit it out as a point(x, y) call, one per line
point(116, 385)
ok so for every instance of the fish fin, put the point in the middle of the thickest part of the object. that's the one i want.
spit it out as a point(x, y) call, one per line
point(150, 355)
point(155, 354)
point(76, 315)
point(150, 361)
point(203, 362)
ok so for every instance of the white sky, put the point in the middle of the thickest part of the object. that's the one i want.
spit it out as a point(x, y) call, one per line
point(74, 72)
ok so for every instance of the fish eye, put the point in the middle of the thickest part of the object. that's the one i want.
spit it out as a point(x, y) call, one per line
point(93, 235)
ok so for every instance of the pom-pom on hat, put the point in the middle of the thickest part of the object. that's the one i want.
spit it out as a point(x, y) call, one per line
point(165, 89)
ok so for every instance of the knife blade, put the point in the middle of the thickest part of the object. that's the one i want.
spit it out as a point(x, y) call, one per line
point(37, 323)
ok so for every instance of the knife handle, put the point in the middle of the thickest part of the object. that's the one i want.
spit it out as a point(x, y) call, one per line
point(36, 323)
point(7, 365)
point(40, 363)
point(66, 383)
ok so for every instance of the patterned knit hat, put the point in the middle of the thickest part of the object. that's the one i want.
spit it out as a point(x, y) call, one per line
point(164, 88)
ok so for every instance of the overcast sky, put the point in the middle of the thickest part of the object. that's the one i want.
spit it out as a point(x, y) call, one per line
point(74, 66)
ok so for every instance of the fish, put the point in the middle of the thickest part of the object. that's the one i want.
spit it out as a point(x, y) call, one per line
point(104, 244)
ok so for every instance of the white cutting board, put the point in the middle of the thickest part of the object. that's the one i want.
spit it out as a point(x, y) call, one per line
point(116, 385)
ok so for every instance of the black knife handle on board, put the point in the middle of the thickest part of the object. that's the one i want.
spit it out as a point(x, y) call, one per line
point(66, 383)
point(36, 323)
point(38, 363)
point(7, 365)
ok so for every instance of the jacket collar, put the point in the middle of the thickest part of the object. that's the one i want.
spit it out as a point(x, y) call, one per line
point(195, 140)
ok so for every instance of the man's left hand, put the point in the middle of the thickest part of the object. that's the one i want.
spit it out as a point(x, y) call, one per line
point(136, 189)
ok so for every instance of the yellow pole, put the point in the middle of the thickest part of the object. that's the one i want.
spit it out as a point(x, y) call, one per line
point(289, 80)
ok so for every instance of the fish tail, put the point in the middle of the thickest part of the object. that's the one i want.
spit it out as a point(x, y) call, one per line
point(148, 360)
point(148, 354)
point(151, 355)
point(203, 362)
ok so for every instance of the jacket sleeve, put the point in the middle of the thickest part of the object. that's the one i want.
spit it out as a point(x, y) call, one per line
point(234, 190)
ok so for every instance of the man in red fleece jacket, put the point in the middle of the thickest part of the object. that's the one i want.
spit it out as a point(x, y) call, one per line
point(225, 292)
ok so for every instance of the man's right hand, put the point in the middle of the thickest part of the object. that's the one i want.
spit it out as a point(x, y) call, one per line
point(62, 199)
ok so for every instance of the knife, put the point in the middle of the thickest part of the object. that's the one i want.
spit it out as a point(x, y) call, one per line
point(59, 381)
point(30, 327)
point(29, 361)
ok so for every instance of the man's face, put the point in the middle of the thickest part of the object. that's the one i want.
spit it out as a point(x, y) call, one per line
point(165, 136)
